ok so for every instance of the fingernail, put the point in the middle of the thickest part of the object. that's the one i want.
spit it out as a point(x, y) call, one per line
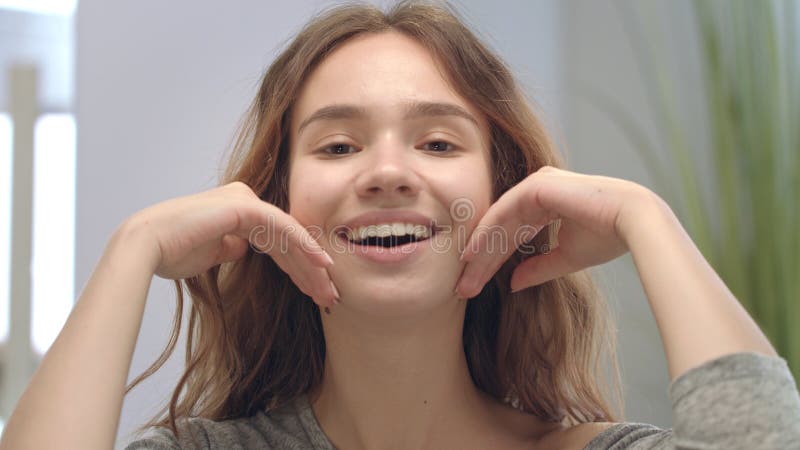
point(328, 258)
point(336, 295)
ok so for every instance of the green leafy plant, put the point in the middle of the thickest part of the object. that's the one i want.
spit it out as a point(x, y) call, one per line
point(748, 224)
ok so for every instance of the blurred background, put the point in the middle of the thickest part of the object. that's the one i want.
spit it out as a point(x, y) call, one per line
point(107, 107)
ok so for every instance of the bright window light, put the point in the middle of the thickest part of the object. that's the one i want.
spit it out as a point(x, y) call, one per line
point(53, 227)
point(5, 221)
point(59, 7)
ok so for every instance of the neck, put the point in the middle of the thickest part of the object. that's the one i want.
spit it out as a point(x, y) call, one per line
point(399, 383)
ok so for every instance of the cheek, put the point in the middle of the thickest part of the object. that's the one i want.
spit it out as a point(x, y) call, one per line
point(466, 197)
point(300, 193)
point(474, 183)
point(481, 192)
point(311, 195)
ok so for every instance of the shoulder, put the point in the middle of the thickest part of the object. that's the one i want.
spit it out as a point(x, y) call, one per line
point(203, 433)
point(533, 433)
point(196, 433)
point(607, 435)
point(576, 437)
point(287, 427)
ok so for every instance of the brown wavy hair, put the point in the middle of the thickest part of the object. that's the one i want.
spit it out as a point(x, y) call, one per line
point(255, 341)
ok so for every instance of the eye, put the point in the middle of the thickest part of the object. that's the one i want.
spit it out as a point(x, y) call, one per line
point(337, 149)
point(439, 146)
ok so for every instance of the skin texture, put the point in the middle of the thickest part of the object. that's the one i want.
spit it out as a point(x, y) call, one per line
point(395, 372)
point(395, 368)
point(388, 165)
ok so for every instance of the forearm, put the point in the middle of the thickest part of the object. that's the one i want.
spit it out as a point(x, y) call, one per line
point(698, 317)
point(75, 397)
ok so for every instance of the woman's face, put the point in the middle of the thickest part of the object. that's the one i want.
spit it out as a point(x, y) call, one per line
point(378, 137)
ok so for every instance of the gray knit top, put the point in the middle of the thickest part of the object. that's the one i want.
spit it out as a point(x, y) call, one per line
point(737, 401)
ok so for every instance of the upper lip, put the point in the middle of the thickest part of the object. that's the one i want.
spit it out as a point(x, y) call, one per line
point(388, 216)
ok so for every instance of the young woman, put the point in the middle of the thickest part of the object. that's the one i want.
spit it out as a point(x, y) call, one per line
point(394, 260)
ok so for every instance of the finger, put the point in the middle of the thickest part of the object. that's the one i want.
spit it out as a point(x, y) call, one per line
point(304, 284)
point(487, 247)
point(505, 226)
point(540, 269)
point(232, 248)
point(276, 232)
point(490, 251)
point(313, 281)
point(318, 278)
point(494, 249)
point(323, 285)
point(516, 217)
point(308, 244)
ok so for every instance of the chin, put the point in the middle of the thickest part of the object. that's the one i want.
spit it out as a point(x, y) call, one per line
point(392, 299)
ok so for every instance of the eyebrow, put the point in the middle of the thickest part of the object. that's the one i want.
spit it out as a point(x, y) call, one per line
point(414, 110)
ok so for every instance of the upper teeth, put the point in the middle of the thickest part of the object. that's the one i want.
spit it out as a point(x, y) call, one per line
point(388, 229)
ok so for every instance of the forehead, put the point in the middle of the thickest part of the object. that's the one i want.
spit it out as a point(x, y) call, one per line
point(383, 70)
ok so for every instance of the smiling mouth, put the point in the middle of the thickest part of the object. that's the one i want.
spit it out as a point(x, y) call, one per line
point(389, 241)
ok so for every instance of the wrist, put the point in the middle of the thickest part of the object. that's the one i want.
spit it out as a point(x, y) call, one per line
point(648, 217)
point(134, 242)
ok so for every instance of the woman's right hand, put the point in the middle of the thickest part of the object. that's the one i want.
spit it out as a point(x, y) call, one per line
point(194, 233)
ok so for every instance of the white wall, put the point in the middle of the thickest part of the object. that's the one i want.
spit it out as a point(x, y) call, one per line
point(161, 85)
point(45, 40)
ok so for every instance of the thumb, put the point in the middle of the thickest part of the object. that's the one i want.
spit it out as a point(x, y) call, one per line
point(231, 248)
point(540, 269)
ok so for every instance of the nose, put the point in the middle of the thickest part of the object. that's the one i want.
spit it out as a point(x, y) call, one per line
point(388, 172)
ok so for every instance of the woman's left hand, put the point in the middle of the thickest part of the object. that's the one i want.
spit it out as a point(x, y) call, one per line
point(596, 213)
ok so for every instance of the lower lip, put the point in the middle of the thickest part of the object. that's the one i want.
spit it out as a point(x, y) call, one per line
point(386, 255)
